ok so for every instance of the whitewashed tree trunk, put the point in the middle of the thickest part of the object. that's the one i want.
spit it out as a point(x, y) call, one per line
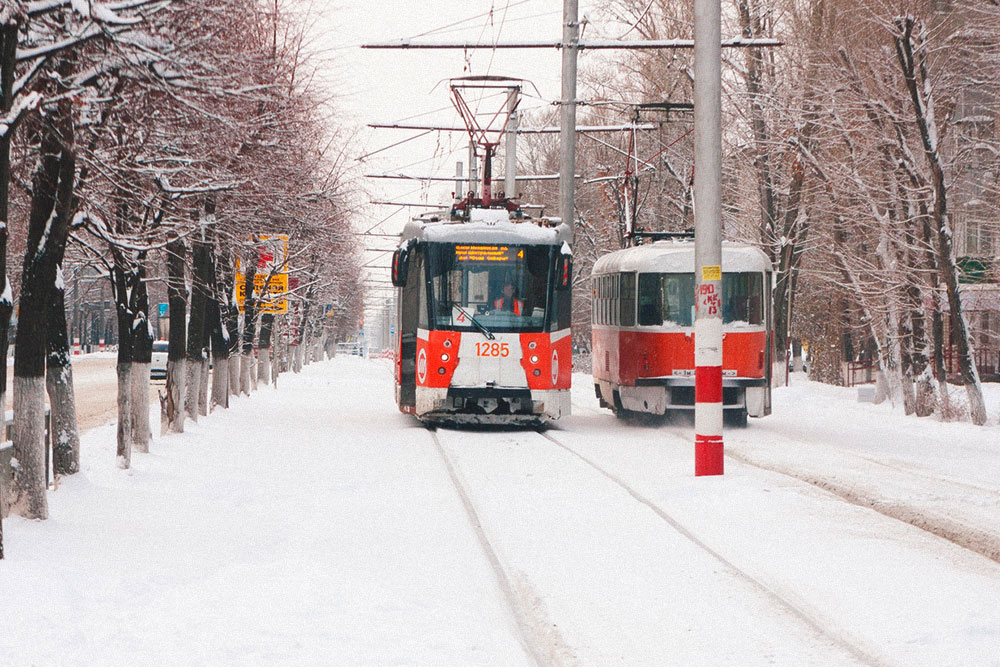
point(235, 363)
point(203, 388)
point(254, 369)
point(245, 368)
point(220, 382)
point(125, 415)
point(176, 381)
point(29, 429)
point(62, 421)
point(898, 381)
point(140, 407)
point(264, 366)
point(881, 387)
point(193, 386)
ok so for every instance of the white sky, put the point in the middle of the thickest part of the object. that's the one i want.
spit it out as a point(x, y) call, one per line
point(395, 85)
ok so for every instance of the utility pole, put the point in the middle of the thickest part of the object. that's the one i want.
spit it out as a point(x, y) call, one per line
point(459, 183)
point(510, 152)
point(567, 112)
point(473, 170)
point(708, 447)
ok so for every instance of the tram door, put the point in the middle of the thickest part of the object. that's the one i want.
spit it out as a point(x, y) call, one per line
point(409, 314)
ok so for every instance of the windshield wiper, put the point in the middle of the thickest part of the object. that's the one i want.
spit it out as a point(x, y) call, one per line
point(476, 323)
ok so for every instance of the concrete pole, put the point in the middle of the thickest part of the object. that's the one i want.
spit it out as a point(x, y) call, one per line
point(510, 152)
point(459, 182)
point(473, 170)
point(567, 116)
point(708, 447)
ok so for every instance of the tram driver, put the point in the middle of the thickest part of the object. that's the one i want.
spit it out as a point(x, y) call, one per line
point(507, 301)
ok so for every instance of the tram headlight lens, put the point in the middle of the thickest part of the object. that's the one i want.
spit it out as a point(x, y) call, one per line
point(447, 342)
point(445, 357)
point(534, 358)
point(537, 372)
point(532, 345)
point(441, 370)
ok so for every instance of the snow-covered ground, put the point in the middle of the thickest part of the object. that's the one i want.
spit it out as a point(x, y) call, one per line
point(315, 525)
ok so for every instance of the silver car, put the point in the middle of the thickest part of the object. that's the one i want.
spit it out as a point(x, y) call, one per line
point(158, 365)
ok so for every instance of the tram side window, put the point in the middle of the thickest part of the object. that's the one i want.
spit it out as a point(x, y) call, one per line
point(742, 298)
point(627, 299)
point(666, 297)
point(678, 298)
point(650, 301)
point(418, 278)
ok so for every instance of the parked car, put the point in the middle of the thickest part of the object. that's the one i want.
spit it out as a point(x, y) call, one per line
point(158, 365)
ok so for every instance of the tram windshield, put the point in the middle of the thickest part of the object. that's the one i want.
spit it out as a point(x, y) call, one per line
point(502, 287)
point(669, 298)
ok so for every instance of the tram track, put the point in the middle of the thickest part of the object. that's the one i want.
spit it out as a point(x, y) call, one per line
point(534, 636)
point(525, 632)
point(967, 537)
point(963, 535)
point(810, 620)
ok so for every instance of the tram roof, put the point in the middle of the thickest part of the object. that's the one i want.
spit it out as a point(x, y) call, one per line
point(672, 256)
point(485, 225)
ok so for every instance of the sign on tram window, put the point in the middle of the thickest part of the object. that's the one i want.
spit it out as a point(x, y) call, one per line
point(484, 253)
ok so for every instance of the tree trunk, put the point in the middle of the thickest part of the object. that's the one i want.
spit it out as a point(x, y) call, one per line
point(203, 388)
point(8, 63)
point(220, 358)
point(249, 317)
point(196, 334)
point(912, 61)
point(266, 327)
point(177, 338)
point(125, 426)
point(59, 386)
point(142, 351)
point(48, 227)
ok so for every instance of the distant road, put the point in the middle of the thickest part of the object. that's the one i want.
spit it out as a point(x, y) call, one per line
point(95, 385)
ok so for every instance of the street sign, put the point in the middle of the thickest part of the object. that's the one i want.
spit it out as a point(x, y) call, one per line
point(161, 309)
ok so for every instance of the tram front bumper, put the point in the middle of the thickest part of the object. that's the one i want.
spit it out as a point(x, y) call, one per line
point(490, 405)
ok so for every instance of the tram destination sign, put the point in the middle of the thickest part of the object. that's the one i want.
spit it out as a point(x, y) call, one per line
point(484, 253)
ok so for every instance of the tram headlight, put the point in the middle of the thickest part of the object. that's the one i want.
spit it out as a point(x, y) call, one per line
point(532, 345)
point(537, 372)
point(447, 342)
point(534, 358)
point(445, 357)
point(441, 370)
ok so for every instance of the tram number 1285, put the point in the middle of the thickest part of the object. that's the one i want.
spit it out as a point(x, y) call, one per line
point(492, 349)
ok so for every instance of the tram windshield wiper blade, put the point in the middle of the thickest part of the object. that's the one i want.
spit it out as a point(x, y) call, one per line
point(476, 323)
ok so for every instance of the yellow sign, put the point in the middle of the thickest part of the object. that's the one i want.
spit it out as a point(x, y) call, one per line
point(279, 307)
point(276, 287)
point(711, 273)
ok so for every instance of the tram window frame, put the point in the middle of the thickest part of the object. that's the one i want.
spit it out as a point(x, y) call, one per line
point(418, 269)
point(666, 299)
point(614, 299)
point(649, 298)
point(751, 310)
point(627, 295)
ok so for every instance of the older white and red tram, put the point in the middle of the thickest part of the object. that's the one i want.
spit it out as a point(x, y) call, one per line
point(643, 329)
point(484, 317)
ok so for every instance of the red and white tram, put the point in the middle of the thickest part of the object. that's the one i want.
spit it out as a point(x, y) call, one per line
point(643, 329)
point(484, 317)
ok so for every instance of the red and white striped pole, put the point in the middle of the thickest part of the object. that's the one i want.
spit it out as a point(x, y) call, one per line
point(708, 448)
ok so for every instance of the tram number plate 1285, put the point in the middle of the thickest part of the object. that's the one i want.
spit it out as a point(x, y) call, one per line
point(492, 349)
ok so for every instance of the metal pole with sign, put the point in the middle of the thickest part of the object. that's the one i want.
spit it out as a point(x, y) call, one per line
point(708, 448)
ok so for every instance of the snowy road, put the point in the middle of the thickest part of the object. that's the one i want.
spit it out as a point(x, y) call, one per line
point(315, 525)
